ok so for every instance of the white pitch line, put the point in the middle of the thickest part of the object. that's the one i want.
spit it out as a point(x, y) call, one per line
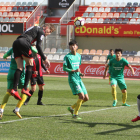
point(63, 114)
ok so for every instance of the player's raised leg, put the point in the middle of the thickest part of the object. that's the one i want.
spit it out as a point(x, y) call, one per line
point(138, 105)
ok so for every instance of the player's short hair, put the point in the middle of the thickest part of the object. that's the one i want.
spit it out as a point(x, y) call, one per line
point(73, 42)
point(111, 50)
point(118, 50)
point(51, 26)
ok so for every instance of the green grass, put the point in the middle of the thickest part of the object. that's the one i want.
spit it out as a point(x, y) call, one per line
point(102, 122)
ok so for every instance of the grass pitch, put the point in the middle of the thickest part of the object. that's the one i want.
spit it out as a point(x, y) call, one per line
point(100, 121)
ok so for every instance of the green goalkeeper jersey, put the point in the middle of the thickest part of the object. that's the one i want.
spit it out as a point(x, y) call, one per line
point(73, 62)
point(109, 57)
point(118, 67)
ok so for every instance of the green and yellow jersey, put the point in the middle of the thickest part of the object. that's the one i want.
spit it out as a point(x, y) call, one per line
point(109, 57)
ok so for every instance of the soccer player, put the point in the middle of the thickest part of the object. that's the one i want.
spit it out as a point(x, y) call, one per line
point(138, 105)
point(22, 50)
point(10, 78)
point(71, 64)
point(37, 77)
point(117, 76)
point(109, 57)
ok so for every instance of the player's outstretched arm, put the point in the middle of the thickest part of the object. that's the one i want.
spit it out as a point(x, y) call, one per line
point(132, 70)
point(105, 73)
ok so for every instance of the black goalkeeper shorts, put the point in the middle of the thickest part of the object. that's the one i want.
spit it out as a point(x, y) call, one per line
point(37, 79)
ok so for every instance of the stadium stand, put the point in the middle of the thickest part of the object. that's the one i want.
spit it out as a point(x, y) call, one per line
point(130, 59)
point(53, 50)
point(47, 50)
point(55, 57)
point(59, 51)
point(61, 57)
point(66, 51)
point(93, 51)
point(79, 51)
point(95, 58)
point(85, 51)
point(98, 52)
point(50, 57)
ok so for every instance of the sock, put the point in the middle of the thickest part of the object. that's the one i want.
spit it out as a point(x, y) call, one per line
point(109, 78)
point(5, 100)
point(20, 103)
point(27, 76)
point(73, 106)
point(40, 94)
point(138, 104)
point(78, 105)
point(114, 93)
point(16, 78)
point(28, 98)
point(124, 97)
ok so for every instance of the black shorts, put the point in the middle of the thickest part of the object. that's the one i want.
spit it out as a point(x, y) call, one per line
point(37, 79)
point(21, 47)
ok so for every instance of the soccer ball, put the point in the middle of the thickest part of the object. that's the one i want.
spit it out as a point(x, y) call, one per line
point(78, 22)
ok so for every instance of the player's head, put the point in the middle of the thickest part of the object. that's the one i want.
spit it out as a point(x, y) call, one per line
point(111, 51)
point(73, 45)
point(48, 28)
point(118, 53)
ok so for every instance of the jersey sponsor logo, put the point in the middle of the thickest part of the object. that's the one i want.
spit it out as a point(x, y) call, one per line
point(41, 38)
point(78, 87)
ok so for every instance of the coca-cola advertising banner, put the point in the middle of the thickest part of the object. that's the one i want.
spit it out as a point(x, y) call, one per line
point(91, 70)
point(60, 3)
point(126, 30)
point(11, 28)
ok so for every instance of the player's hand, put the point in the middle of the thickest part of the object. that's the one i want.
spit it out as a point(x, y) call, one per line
point(82, 74)
point(106, 65)
point(36, 72)
point(48, 72)
point(133, 73)
point(78, 70)
point(47, 62)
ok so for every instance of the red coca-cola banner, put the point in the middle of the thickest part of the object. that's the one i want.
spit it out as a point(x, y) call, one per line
point(91, 70)
point(127, 30)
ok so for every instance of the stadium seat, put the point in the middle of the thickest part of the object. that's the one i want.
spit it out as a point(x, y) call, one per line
point(117, 4)
point(104, 4)
point(79, 51)
point(116, 15)
point(29, 4)
point(132, 21)
point(136, 60)
point(99, 52)
point(94, 20)
point(88, 57)
point(132, 53)
point(95, 58)
point(100, 20)
point(135, 4)
point(7, 4)
point(20, 8)
point(101, 9)
point(107, 9)
point(23, 19)
point(110, 4)
point(113, 9)
point(128, 15)
point(35, 4)
point(59, 51)
point(88, 20)
point(85, 51)
point(123, 57)
point(92, 4)
point(14, 9)
point(132, 9)
point(126, 9)
point(3, 9)
point(21, 14)
point(23, 4)
point(122, 15)
point(1, 55)
point(112, 21)
point(102, 58)
point(120, 9)
point(138, 21)
point(89, 9)
point(66, 51)
point(135, 15)
point(47, 50)
point(125, 21)
point(130, 59)
point(18, 3)
point(61, 57)
point(31, 8)
point(106, 20)
point(13, 3)
point(16, 14)
point(125, 53)
point(0, 49)
point(1, 19)
point(98, 4)
point(12, 19)
point(55, 57)
point(129, 4)
point(85, 15)
point(105, 52)
point(95, 9)
point(10, 14)
point(5, 49)
point(17, 19)
point(137, 10)
point(9, 8)
point(0, 14)
point(27, 14)
point(91, 15)
point(119, 21)
point(6, 19)
point(110, 15)
point(50, 57)
point(53, 50)
point(25, 9)
point(97, 15)
point(92, 52)
point(2, 3)
point(4, 14)
point(103, 15)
